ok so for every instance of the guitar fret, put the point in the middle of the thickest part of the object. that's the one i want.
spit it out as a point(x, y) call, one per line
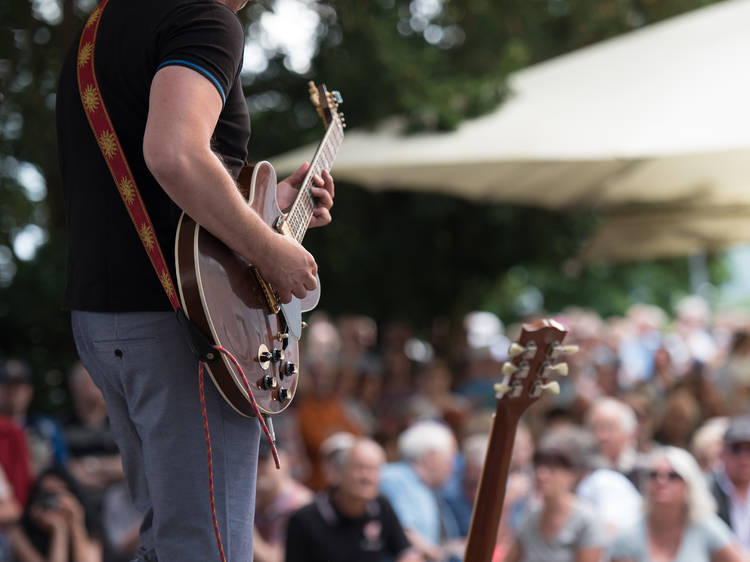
point(303, 207)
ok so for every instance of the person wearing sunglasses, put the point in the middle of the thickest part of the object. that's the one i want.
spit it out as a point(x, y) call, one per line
point(679, 522)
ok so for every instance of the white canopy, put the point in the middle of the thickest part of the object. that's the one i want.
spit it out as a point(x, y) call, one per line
point(656, 116)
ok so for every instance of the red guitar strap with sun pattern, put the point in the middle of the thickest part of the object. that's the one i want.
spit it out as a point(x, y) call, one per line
point(109, 144)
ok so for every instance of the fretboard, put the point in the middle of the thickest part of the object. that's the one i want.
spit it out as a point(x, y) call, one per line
point(301, 211)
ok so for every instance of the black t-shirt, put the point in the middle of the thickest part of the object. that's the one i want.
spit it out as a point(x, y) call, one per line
point(108, 269)
point(318, 532)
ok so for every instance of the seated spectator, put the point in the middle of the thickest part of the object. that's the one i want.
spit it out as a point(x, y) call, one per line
point(277, 496)
point(10, 512)
point(14, 459)
point(460, 498)
point(95, 460)
point(730, 484)
point(679, 523)
point(350, 522)
point(561, 527)
point(44, 435)
point(707, 444)
point(614, 426)
point(679, 418)
point(614, 499)
point(55, 526)
point(428, 451)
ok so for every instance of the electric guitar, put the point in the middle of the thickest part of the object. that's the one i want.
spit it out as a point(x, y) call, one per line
point(535, 358)
point(229, 302)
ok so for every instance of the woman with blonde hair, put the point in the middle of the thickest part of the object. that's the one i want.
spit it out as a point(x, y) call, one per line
point(680, 522)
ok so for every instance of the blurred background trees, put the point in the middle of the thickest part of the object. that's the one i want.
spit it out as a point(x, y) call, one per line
point(389, 255)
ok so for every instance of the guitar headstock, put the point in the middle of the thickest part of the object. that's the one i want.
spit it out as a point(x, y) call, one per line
point(534, 360)
point(327, 104)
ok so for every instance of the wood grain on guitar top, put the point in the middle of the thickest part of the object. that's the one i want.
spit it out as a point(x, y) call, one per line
point(224, 300)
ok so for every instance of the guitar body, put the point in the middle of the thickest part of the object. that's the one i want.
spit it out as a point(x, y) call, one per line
point(227, 302)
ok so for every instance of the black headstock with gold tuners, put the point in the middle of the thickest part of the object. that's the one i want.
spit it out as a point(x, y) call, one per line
point(327, 104)
point(534, 360)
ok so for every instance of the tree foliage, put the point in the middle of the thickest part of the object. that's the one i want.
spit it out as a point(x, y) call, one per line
point(435, 62)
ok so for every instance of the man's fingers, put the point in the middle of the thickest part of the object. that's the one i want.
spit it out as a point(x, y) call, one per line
point(322, 216)
point(285, 296)
point(322, 197)
point(311, 283)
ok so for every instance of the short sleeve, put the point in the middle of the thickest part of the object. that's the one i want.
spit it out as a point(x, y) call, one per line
point(397, 541)
point(717, 534)
point(206, 37)
point(629, 544)
point(592, 533)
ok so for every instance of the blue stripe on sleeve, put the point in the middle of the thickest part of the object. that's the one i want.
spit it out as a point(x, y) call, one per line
point(200, 69)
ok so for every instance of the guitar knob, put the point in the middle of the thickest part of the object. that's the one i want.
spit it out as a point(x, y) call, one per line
point(268, 382)
point(264, 356)
point(283, 394)
point(277, 355)
point(290, 369)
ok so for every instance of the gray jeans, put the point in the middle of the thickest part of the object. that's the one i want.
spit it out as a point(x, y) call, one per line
point(142, 364)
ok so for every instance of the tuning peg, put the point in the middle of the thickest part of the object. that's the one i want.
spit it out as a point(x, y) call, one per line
point(552, 387)
point(501, 389)
point(509, 369)
point(516, 349)
point(559, 368)
point(567, 349)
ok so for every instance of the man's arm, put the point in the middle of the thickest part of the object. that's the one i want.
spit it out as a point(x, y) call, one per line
point(184, 108)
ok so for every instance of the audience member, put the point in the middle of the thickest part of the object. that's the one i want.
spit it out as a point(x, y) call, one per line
point(730, 484)
point(560, 527)
point(428, 451)
point(14, 459)
point(679, 523)
point(56, 527)
point(10, 512)
point(95, 460)
point(320, 408)
point(707, 444)
point(277, 496)
point(614, 426)
point(614, 499)
point(350, 521)
point(44, 435)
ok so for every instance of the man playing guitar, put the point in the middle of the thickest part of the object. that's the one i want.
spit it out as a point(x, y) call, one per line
point(169, 75)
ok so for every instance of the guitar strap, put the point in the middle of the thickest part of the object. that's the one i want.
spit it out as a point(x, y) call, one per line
point(111, 149)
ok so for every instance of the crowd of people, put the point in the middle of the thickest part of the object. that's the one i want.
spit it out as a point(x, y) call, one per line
point(643, 455)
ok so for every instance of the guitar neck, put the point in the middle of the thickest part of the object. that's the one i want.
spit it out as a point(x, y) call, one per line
point(301, 212)
point(488, 507)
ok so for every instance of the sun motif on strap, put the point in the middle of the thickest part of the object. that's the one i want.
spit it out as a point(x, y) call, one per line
point(147, 236)
point(93, 17)
point(166, 282)
point(108, 144)
point(127, 190)
point(84, 54)
point(90, 99)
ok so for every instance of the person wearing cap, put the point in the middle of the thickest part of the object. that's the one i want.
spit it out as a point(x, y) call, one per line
point(44, 435)
point(560, 527)
point(730, 484)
